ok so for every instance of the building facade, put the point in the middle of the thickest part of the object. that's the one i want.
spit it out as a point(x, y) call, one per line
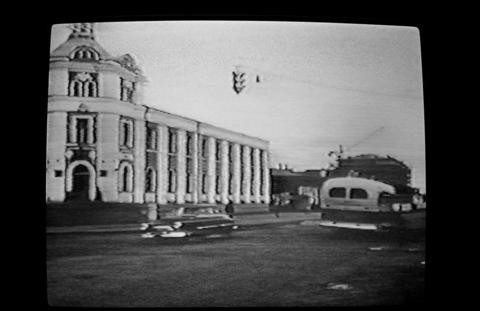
point(105, 144)
point(385, 169)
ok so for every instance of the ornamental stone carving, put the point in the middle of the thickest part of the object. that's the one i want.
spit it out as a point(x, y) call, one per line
point(128, 62)
point(127, 156)
point(92, 155)
point(69, 154)
point(82, 108)
point(83, 76)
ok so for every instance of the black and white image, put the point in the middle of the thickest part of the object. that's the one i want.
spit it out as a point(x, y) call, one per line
point(235, 164)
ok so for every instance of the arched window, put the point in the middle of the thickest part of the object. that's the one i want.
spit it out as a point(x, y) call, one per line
point(150, 180)
point(85, 53)
point(126, 132)
point(125, 177)
point(77, 88)
point(83, 84)
point(127, 89)
point(92, 89)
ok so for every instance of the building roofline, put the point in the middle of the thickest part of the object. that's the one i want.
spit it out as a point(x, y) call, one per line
point(147, 107)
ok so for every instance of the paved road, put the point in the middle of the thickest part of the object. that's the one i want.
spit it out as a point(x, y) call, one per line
point(240, 219)
point(283, 264)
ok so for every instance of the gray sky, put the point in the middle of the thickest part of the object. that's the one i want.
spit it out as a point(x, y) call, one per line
point(321, 84)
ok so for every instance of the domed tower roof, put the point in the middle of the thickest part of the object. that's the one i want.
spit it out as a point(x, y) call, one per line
point(82, 37)
point(82, 46)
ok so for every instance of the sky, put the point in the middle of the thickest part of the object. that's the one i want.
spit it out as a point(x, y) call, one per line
point(321, 84)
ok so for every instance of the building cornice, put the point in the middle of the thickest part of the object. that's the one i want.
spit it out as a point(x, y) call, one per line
point(100, 66)
point(141, 112)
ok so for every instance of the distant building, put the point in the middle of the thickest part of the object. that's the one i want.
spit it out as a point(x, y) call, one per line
point(287, 183)
point(104, 144)
point(384, 169)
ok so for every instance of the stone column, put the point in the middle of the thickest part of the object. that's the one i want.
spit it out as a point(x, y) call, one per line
point(211, 170)
point(162, 164)
point(247, 174)
point(256, 175)
point(56, 142)
point(107, 155)
point(224, 176)
point(139, 161)
point(195, 176)
point(266, 177)
point(236, 173)
point(181, 166)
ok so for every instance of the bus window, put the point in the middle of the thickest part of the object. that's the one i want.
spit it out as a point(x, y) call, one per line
point(357, 193)
point(337, 193)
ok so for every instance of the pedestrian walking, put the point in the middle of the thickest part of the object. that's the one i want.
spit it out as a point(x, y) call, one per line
point(229, 209)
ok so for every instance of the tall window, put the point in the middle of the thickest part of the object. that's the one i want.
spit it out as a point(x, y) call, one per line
point(126, 132)
point(172, 181)
point(252, 171)
point(127, 90)
point(172, 140)
point(204, 147)
point(83, 84)
point(203, 163)
point(262, 159)
point(151, 137)
point(81, 128)
point(218, 167)
point(125, 177)
point(230, 168)
point(172, 160)
point(82, 131)
point(189, 154)
point(150, 180)
point(242, 173)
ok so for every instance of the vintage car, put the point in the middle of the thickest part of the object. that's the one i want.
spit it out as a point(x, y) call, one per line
point(188, 221)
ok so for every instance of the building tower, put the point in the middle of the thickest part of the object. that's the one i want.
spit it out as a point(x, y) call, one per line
point(90, 113)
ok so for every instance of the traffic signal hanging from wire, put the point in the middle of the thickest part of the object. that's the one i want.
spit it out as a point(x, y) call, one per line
point(239, 80)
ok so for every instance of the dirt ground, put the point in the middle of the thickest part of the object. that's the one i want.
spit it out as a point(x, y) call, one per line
point(274, 265)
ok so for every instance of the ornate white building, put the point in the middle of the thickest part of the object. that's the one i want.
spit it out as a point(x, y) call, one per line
point(104, 144)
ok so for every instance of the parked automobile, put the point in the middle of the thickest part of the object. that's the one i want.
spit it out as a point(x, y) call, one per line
point(188, 221)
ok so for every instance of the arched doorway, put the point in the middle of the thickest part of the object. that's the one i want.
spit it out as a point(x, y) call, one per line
point(80, 181)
